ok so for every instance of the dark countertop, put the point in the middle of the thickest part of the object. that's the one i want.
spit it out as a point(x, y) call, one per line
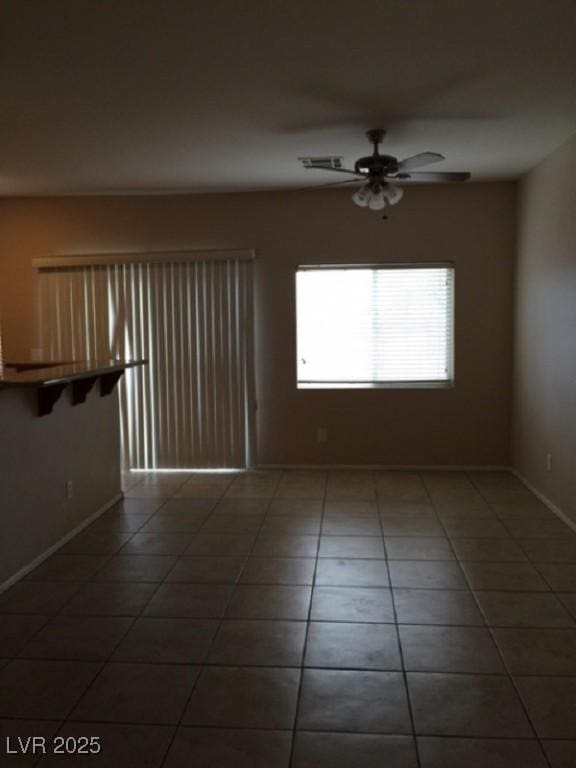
point(42, 374)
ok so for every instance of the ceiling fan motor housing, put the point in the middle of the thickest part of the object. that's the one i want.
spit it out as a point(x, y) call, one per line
point(376, 165)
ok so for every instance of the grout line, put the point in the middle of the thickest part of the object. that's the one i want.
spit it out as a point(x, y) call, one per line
point(503, 659)
point(307, 631)
point(401, 655)
point(220, 621)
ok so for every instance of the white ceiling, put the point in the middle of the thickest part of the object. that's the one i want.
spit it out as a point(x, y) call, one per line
point(173, 96)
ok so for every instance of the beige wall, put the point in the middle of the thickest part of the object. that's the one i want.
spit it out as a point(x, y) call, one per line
point(471, 225)
point(37, 458)
point(545, 368)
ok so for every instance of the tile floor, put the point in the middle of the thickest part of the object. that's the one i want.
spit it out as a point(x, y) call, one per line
point(343, 619)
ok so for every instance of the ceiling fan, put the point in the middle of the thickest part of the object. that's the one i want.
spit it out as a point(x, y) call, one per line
point(383, 173)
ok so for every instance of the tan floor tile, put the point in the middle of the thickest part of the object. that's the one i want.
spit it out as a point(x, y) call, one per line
point(291, 525)
point(352, 604)
point(43, 689)
point(560, 576)
point(488, 550)
point(356, 526)
point(228, 748)
point(185, 523)
point(302, 484)
point(568, 599)
point(88, 543)
point(411, 525)
point(43, 597)
point(167, 641)
point(468, 528)
point(254, 485)
point(346, 750)
point(144, 568)
point(561, 754)
point(551, 704)
point(269, 602)
point(406, 509)
point(241, 507)
point(474, 510)
point(201, 601)
point(538, 651)
point(352, 573)
point(466, 705)
point(418, 548)
point(308, 507)
point(523, 609)
point(121, 745)
point(516, 577)
point(221, 544)
point(112, 599)
point(207, 570)
point(248, 697)
point(548, 528)
point(442, 607)
point(199, 507)
point(295, 571)
point(519, 510)
point(259, 643)
point(16, 630)
point(349, 510)
point(351, 485)
point(426, 574)
point(351, 547)
point(437, 752)
point(278, 545)
point(338, 645)
point(77, 637)
point(138, 693)
point(449, 649)
point(231, 523)
point(550, 550)
point(67, 568)
point(400, 486)
point(362, 702)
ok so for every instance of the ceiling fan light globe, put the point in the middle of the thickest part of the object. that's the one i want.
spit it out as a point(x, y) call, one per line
point(393, 194)
point(377, 201)
point(361, 197)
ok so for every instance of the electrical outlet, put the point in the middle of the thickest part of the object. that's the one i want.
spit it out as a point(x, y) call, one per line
point(69, 489)
point(321, 434)
point(549, 462)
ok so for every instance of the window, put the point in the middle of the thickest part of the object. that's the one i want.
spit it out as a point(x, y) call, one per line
point(370, 326)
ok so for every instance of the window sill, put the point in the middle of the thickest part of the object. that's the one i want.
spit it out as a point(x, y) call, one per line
point(378, 385)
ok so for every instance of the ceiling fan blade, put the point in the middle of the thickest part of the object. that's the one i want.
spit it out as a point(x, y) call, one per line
point(329, 184)
point(329, 168)
point(420, 160)
point(429, 177)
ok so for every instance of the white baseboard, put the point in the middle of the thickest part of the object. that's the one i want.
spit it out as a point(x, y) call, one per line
point(395, 467)
point(545, 500)
point(60, 543)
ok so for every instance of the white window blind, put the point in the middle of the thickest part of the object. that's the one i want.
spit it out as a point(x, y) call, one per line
point(192, 406)
point(374, 325)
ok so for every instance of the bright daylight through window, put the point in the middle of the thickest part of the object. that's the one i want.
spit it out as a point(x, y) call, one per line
point(378, 325)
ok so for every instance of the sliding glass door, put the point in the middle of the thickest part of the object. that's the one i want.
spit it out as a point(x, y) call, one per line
point(192, 320)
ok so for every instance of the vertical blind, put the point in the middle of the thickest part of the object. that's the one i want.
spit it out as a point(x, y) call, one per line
point(192, 405)
point(362, 326)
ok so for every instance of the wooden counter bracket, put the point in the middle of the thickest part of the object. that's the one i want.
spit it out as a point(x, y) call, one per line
point(48, 395)
point(80, 389)
point(108, 382)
